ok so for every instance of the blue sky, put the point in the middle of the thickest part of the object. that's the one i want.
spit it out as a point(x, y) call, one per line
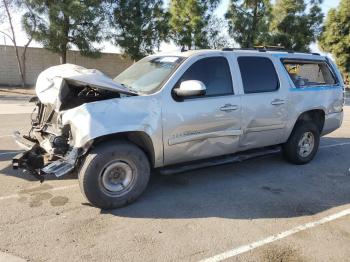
point(107, 47)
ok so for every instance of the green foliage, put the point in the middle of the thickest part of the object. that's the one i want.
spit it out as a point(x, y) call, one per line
point(295, 24)
point(139, 26)
point(249, 21)
point(188, 21)
point(66, 23)
point(336, 35)
point(216, 36)
point(29, 20)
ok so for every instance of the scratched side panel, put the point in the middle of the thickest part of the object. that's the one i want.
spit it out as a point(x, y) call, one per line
point(197, 129)
point(328, 99)
point(264, 123)
point(199, 124)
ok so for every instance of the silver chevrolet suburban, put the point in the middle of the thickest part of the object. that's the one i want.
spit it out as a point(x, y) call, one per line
point(177, 110)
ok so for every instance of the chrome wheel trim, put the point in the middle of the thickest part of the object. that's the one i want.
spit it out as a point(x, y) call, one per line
point(117, 178)
point(306, 144)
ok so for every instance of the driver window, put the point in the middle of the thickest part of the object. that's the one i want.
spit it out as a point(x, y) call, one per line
point(215, 74)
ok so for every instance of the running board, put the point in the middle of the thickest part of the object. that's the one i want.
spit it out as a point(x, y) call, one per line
point(228, 159)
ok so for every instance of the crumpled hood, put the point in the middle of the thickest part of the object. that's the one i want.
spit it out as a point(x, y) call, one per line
point(52, 82)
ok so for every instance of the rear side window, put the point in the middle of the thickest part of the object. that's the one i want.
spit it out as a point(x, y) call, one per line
point(309, 73)
point(258, 74)
point(215, 74)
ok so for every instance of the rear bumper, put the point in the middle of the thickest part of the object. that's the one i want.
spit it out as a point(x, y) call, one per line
point(332, 122)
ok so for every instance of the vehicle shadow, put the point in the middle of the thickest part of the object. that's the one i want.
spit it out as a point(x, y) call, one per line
point(23, 174)
point(266, 187)
point(7, 154)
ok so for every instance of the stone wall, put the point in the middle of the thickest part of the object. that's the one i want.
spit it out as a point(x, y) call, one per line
point(38, 59)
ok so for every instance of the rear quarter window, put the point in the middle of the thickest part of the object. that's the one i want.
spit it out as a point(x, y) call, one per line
point(309, 73)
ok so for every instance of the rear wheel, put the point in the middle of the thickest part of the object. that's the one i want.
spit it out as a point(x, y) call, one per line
point(302, 144)
point(114, 174)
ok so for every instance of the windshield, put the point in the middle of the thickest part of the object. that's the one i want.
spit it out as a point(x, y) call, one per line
point(147, 75)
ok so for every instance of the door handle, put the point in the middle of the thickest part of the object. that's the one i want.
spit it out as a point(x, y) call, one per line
point(228, 108)
point(277, 102)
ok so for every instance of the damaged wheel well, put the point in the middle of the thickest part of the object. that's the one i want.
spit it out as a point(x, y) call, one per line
point(139, 138)
point(316, 116)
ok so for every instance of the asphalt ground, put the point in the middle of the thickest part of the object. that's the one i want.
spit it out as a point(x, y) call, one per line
point(263, 209)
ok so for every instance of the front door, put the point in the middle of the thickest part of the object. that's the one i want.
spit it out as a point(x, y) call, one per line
point(203, 126)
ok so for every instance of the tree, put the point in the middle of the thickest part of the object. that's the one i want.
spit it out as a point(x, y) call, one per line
point(7, 8)
point(249, 21)
point(295, 24)
point(139, 26)
point(335, 37)
point(188, 21)
point(216, 33)
point(64, 24)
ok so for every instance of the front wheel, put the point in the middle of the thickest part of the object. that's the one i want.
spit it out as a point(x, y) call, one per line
point(114, 174)
point(302, 144)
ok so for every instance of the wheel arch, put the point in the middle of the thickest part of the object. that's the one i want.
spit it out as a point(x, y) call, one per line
point(139, 138)
point(314, 115)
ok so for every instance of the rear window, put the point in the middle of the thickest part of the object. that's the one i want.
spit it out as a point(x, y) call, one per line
point(309, 73)
point(258, 74)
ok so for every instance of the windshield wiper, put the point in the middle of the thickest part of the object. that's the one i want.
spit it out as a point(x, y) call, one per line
point(131, 89)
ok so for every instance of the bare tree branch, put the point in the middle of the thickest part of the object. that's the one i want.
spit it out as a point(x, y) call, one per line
point(9, 18)
point(7, 35)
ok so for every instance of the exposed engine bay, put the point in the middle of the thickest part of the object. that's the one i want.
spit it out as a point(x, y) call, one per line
point(49, 144)
point(78, 95)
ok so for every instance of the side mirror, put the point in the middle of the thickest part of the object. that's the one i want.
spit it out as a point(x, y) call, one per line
point(190, 88)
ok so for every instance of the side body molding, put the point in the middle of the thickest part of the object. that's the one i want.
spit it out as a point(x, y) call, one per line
point(200, 136)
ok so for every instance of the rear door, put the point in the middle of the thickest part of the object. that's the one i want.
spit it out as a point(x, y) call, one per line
point(203, 126)
point(264, 103)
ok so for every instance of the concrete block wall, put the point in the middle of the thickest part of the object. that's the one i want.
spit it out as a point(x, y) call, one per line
point(38, 59)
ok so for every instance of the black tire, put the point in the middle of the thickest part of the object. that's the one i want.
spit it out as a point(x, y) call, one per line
point(291, 148)
point(102, 158)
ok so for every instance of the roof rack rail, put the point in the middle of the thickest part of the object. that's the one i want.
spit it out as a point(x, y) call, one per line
point(237, 48)
point(256, 48)
point(265, 48)
point(270, 48)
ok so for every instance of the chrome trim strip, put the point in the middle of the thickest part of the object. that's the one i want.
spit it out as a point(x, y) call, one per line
point(202, 136)
point(264, 128)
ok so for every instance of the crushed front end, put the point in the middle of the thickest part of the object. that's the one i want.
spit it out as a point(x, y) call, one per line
point(51, 146)
point(47, 145)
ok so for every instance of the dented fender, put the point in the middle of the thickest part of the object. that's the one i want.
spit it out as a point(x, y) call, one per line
point(128, 114)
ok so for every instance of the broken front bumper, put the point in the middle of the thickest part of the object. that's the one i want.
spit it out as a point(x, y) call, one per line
point(38, 163)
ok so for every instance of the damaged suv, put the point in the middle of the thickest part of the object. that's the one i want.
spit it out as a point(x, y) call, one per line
point(176, 108)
